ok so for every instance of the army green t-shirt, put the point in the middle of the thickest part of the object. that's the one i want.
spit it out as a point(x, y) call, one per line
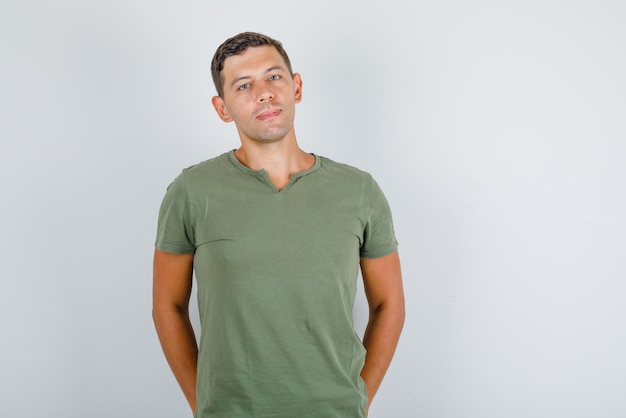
point(276, 273)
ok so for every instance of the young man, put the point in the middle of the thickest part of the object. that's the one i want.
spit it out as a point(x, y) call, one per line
point(276, 236)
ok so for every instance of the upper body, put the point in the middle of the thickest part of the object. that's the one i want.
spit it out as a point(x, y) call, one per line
point(275, 236)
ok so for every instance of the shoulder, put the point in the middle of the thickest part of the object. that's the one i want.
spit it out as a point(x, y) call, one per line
point(203, 171)
point(344, 171)
point(352, 181)
point(210, 166)
point(346, 180)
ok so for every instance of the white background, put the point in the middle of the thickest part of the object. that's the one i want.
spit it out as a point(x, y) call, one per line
point(496, 129)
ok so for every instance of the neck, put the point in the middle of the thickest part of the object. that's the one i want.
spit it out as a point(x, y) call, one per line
point(279, 159)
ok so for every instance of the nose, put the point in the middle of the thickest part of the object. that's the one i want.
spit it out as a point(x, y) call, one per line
point(266, 94)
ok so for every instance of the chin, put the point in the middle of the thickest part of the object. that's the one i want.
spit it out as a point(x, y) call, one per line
point(267, 140)
point(275, 136)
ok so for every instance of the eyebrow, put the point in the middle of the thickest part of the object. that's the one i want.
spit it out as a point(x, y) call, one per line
point(245, 77)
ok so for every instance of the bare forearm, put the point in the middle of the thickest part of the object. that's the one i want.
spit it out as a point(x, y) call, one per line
point(380, 340)
point(180, 348)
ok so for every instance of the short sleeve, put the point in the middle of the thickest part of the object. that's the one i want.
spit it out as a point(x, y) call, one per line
point(175, 232)
point(379, 237)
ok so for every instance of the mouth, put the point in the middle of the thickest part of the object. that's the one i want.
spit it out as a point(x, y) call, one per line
point(268, 114)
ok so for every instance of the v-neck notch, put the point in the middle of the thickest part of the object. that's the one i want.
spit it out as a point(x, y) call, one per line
point(265, 178)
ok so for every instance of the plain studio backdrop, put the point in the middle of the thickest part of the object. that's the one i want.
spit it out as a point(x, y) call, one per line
point(496, 129)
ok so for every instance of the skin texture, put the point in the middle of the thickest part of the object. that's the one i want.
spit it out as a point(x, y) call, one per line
point(382, 280)
point(260, 98)
point(171, 289)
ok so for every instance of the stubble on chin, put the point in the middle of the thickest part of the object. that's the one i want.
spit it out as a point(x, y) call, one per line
point(270, 137)
point(272, 134)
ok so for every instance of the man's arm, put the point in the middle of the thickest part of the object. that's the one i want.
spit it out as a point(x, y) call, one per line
point(171, 290)
point(382, 280)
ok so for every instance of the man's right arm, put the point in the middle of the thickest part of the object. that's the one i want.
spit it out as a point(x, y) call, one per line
point(172, 282)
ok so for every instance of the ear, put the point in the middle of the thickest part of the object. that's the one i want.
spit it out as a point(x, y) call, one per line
point(220, 108)
point(297, 87)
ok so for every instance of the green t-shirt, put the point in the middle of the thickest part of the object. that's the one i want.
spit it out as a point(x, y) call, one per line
point(276, 274)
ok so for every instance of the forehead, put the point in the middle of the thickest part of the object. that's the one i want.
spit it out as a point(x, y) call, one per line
point(252, 59)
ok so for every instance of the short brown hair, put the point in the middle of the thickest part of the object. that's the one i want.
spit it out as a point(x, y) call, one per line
point(235, 46)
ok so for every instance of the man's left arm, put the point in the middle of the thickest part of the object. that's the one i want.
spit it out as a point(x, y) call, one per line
point(382, 280)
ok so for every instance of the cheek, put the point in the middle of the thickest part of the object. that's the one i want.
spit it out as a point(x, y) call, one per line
point(242, 99)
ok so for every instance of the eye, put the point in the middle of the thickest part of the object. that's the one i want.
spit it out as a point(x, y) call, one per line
point(244, 86)
point(274, 77)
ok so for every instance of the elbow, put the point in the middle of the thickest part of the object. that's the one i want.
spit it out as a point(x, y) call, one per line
point(164, 313)
point(399, 313)
point(394, 309)
point(156, 316)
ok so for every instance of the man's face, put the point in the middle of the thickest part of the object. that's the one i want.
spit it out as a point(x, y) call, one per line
point(259, 95)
